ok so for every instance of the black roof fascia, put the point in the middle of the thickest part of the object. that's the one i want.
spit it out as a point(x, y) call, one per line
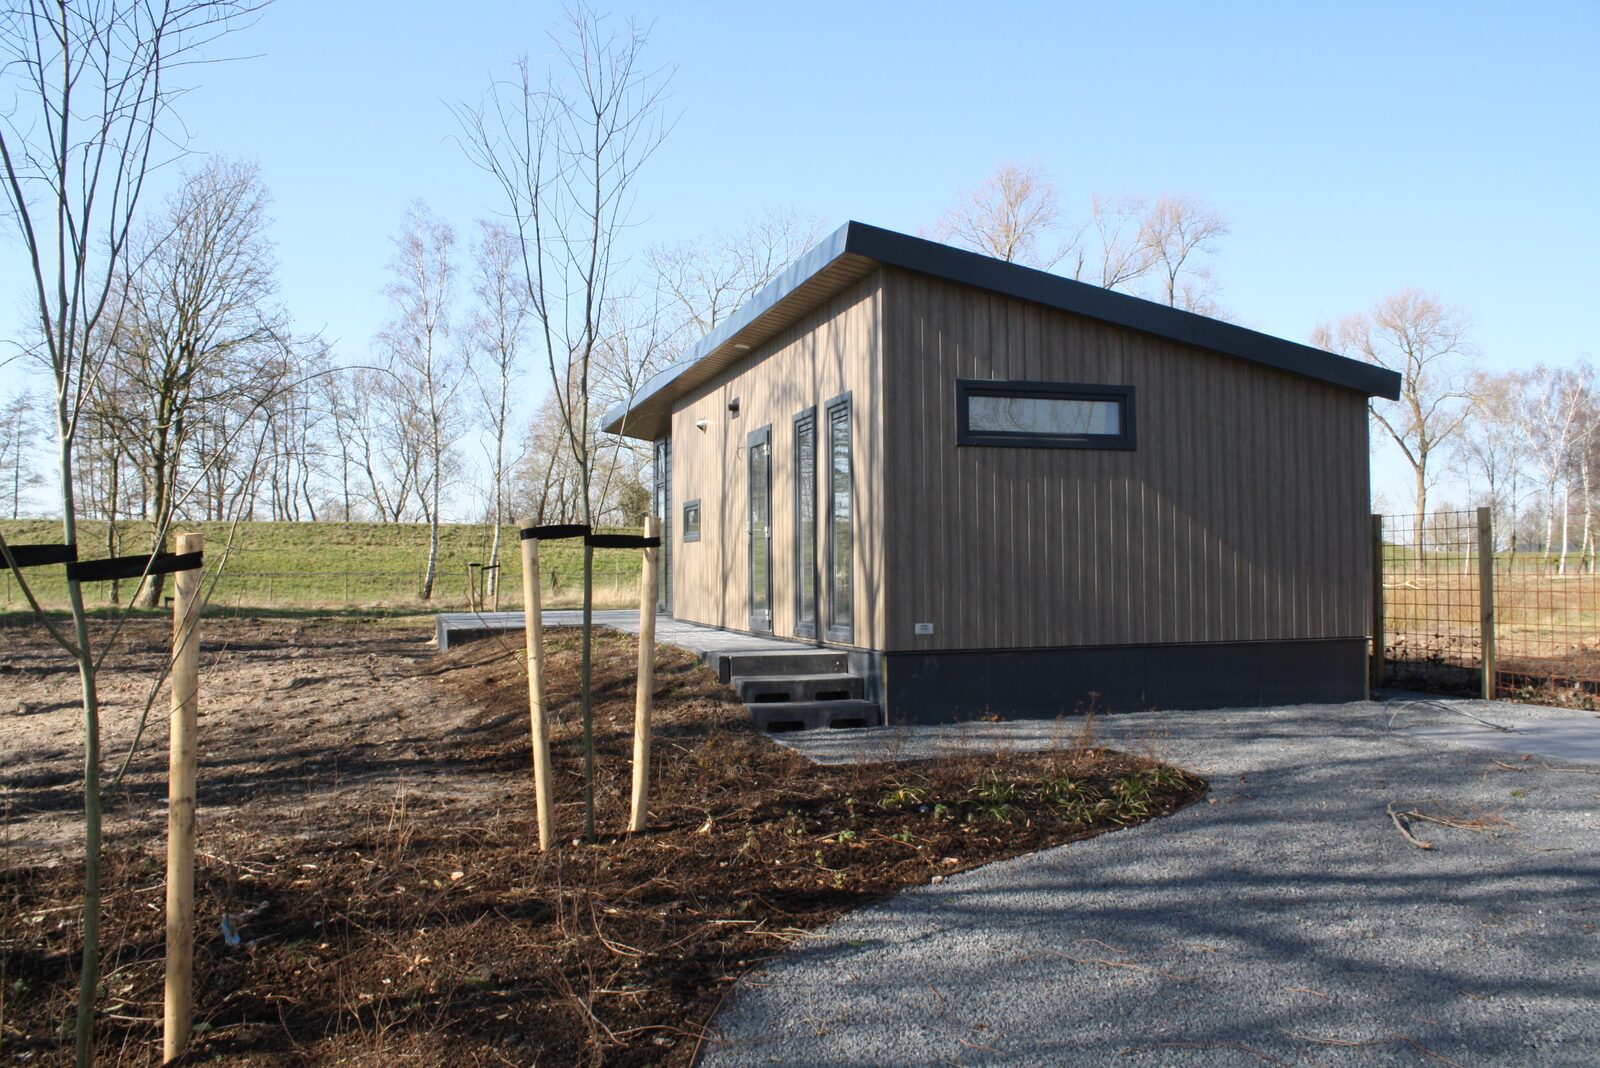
point(921, 256)
point(795, 275)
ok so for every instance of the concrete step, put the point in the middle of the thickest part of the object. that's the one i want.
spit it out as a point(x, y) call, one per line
point(796, 662)
point(776, 689)
point(810, 715)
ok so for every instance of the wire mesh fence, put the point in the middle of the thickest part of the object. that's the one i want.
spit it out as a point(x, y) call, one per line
point(1542, 609)
point(614, 585)
point(1431, 601)
point(1547, 628)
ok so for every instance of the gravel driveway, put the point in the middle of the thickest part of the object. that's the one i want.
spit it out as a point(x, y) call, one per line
point(1283, 920)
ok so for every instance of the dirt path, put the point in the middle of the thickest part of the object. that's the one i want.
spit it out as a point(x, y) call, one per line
point(300, 721)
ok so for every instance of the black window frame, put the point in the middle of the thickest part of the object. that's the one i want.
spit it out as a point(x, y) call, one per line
point(803, 628)
point(967, 388)
point(663, 507)
point(760, 437)
point(838, 632)
point(691, 534)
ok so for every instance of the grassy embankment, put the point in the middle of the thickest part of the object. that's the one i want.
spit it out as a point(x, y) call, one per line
point(338, 565)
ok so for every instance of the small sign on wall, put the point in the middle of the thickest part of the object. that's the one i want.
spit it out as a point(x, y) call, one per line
point(923, 629)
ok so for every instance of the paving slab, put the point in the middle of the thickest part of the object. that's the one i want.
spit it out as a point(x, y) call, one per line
point(1281, 920)
point(696, 637)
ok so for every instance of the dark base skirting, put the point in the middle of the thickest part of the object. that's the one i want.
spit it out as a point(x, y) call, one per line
point(1045, 683)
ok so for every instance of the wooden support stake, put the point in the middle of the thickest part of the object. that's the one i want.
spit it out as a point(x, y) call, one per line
point(180, 803)
point(645, 689)
point(1486, 599)
point(588, 692)
point(533, 625)
point(1377, 601)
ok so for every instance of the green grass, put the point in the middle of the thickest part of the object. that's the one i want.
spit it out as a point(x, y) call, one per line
point(334, 565)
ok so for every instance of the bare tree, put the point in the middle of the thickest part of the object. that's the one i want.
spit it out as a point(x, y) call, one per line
point(566, 155)
point(547, 485)
point(1557, 425)
point(497, 336)
point(342, 407)
point(1492, 449)
point(1123, 253)
point(1010, 217)
point(426, 371)
point(89, 88)
point(197, 333)
point(707, 279)
point(1425, 341)
point(1176, 232)
point(20, 428)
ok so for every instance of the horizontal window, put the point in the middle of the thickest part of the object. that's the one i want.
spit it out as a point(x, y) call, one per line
point(1050, 415)
point(691, 520)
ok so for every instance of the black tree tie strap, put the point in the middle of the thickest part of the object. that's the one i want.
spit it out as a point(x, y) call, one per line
point(620, 541)
point(555, 532)
point(38, 555)
point(122, 567)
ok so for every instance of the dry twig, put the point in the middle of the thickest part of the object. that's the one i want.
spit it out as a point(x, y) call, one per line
point(1400, 825)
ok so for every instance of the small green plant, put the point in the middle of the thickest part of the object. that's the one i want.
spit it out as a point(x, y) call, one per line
point(942, 811)
point(1060, 790)
point(847, 836)
point(1000, 811)
point(1132, 797)
point(1166, 778)
point(901, 797)
point(993, 791)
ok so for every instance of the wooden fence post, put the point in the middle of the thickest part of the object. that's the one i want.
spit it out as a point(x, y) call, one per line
point(180, 803)
point(1486, 599)
point(1377, 601)
point(533, 626)
point(645, 688)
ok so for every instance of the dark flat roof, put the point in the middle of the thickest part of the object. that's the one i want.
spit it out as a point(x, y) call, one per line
point(856, 250)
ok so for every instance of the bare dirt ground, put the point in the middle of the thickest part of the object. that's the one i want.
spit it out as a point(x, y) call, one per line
point(297, 720)
point(368, 887)
point(1445, 661)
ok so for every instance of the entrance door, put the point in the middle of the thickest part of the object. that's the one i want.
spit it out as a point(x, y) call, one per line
point(805, 523)
point(760, 453)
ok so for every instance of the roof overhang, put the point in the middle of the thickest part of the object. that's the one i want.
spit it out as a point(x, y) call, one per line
point(855, 250)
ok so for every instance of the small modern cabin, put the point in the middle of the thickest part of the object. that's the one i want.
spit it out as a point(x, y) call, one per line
point(1004, 492)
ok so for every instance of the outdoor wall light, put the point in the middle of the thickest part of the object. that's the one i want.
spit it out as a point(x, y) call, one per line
point(733, 406)
point(701, 424)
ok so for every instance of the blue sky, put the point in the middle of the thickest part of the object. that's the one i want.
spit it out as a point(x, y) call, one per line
point(1354, 148)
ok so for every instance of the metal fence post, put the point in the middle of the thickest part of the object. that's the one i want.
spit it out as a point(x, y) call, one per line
point(1377, 601)
point(1486, 599)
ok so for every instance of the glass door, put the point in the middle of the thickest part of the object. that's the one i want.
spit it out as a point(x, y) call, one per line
point(841, 529)
point(805, 523)
point(760, 453)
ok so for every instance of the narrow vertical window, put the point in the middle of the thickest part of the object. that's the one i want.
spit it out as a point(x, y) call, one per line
point(760, 453)
point(805, 523)
point(663, 510)
point(841, 530)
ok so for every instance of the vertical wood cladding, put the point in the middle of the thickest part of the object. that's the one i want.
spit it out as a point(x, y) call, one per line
point(1240, 516)
point(835, 349)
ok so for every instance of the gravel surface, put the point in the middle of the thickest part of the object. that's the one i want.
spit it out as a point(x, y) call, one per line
point(1283, 920)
